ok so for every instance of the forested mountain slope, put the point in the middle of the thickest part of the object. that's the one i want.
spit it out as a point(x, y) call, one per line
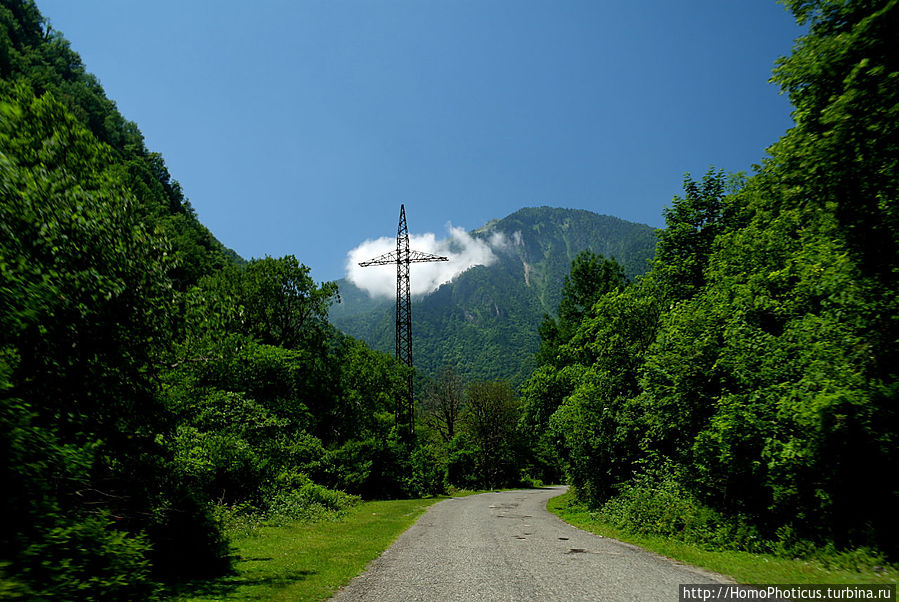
point(153, 386)
point(33, 54)
point(484, 323)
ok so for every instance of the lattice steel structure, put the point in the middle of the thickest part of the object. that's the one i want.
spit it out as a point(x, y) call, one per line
point(403, 257)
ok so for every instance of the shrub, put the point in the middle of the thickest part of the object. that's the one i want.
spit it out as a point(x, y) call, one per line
point(374, 468)
point(462, 464)
point(86, 559)
point(225, 466)
point(657, 503)
point(428, 476)
point(297, 498)
point(188, 538)
point(530, 482)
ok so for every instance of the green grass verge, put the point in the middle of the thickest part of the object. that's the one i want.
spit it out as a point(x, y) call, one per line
point(744, 567)
point(303, 561)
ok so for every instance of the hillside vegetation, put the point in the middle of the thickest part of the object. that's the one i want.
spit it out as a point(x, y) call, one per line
point(743, 393)
point(484, 322)
point(154, 388)
point(159, 394)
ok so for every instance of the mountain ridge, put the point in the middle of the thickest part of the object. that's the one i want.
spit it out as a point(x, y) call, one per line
point(484, 321)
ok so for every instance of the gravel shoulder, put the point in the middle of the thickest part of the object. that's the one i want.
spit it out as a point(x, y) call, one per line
point(507, 546)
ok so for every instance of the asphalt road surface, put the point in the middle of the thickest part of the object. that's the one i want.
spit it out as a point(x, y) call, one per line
point(506, 546)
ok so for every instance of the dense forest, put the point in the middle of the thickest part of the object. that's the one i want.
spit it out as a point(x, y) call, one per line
point(155, 387)
point(484, 322)
point(743, 393)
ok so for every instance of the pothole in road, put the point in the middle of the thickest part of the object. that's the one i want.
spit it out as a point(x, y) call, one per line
point(576, 551)
point(564, 538)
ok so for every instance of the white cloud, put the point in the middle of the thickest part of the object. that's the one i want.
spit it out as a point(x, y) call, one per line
point(500, 242)
point(463, 251)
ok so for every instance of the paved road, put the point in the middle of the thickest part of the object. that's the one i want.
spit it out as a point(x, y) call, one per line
point(506, 546)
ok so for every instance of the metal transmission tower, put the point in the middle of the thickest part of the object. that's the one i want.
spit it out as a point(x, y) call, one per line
point(402, 257)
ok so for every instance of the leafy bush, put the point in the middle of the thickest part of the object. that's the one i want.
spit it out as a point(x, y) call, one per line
point(88, 559)
point(530, 482)
point(188, 538)
point(656, 503)
point(374, 468)
point(222, 464)
point(462, 464)
point(428, 473)
point(310, 502)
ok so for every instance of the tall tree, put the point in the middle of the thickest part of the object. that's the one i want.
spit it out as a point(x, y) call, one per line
point(764, 361)
point(843, 152)
point(86, 309)
point(591, 277)
point(282, 302)
point(443, 401)
point(491, 414)
point(691, 225)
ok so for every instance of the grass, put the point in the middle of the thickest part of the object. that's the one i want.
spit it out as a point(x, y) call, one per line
point(308, 561)
point(743, 567)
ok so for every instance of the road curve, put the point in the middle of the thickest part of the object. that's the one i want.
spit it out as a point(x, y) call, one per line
point(506, 546)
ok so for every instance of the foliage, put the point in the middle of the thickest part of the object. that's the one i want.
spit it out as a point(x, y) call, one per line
point(85, 299)
point(427, 474)
point(151, 383)
point(265, 387)
point(444, 399)
point(89, 559)
point(491, 413)
point(489, 448)
point(277, 302)
point(591, 277)
point(657, 503)
point(309, 502)
point(824, 566)
point(693, 222)
point(754, 366)
point(485, 322)
point(36, 56)
point(462, 463)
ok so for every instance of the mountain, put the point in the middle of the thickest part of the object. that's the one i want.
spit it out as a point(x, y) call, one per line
point(36, 60)
point(484, 322)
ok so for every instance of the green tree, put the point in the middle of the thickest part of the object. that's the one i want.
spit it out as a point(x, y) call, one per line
point(35, 55)
point(444, 399)
point(591, 276)
point(491, 413)
point(274, 301)
point(691, 225)
point(596, 422)
point(843, 152)
point(86, 311)
point(282, 302)
point(758, 363)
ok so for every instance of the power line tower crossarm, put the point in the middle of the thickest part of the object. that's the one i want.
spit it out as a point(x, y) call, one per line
point(403, 257)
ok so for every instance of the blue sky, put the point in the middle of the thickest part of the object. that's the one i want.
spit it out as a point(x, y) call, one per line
point(299, 127)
